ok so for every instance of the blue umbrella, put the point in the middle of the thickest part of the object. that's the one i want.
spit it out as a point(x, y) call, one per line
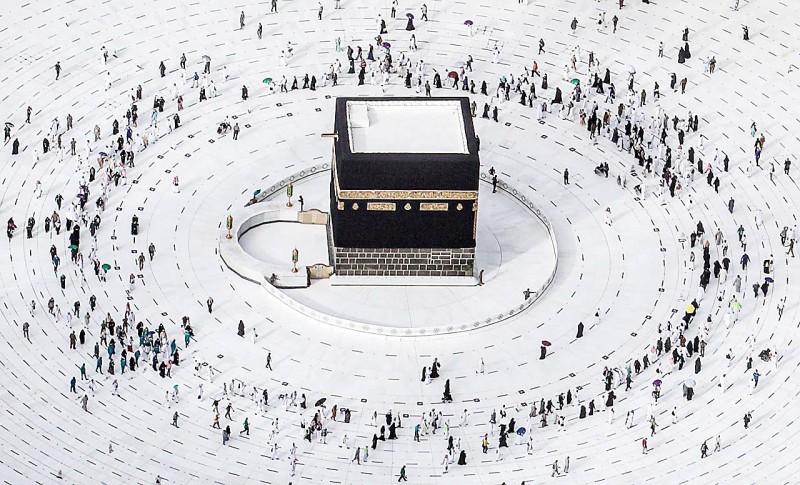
point(521, 431)
point(103, 154)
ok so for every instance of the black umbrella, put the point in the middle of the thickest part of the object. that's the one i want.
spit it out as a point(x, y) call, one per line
point(319, 402)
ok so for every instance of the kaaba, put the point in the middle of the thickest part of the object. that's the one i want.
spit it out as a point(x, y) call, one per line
point(404, 187)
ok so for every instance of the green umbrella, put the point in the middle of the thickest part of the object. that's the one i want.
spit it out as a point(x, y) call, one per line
point(106, 267)
point(267, 80)
point(72, 246)
point(576, 81)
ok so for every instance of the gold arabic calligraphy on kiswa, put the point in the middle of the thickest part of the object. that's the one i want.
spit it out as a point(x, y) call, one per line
point(408, 194)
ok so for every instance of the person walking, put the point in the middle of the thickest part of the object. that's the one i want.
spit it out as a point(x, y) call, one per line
point(403, 476)
point(175, 419)
point(210, 304)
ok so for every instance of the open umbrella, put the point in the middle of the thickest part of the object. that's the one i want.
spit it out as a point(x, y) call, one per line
point(689, 383)
point(657, 382)
point(736, 305)
point(267, 80)
point(255, 194)
point(460, 64)
point(9, 124)
point(576, 82)
point(546, 343)
point(521, 431)
point(72, 246)
point(103, 154)
point(106, 267)
point(206, 58)
point(452, 74)
point(387, 45)
point(320, 402)
point(769, 280)
point(468, 22)
point(410, 15)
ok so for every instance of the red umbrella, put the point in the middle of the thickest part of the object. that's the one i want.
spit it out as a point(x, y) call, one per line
point(452, 74)
point(546, 343)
